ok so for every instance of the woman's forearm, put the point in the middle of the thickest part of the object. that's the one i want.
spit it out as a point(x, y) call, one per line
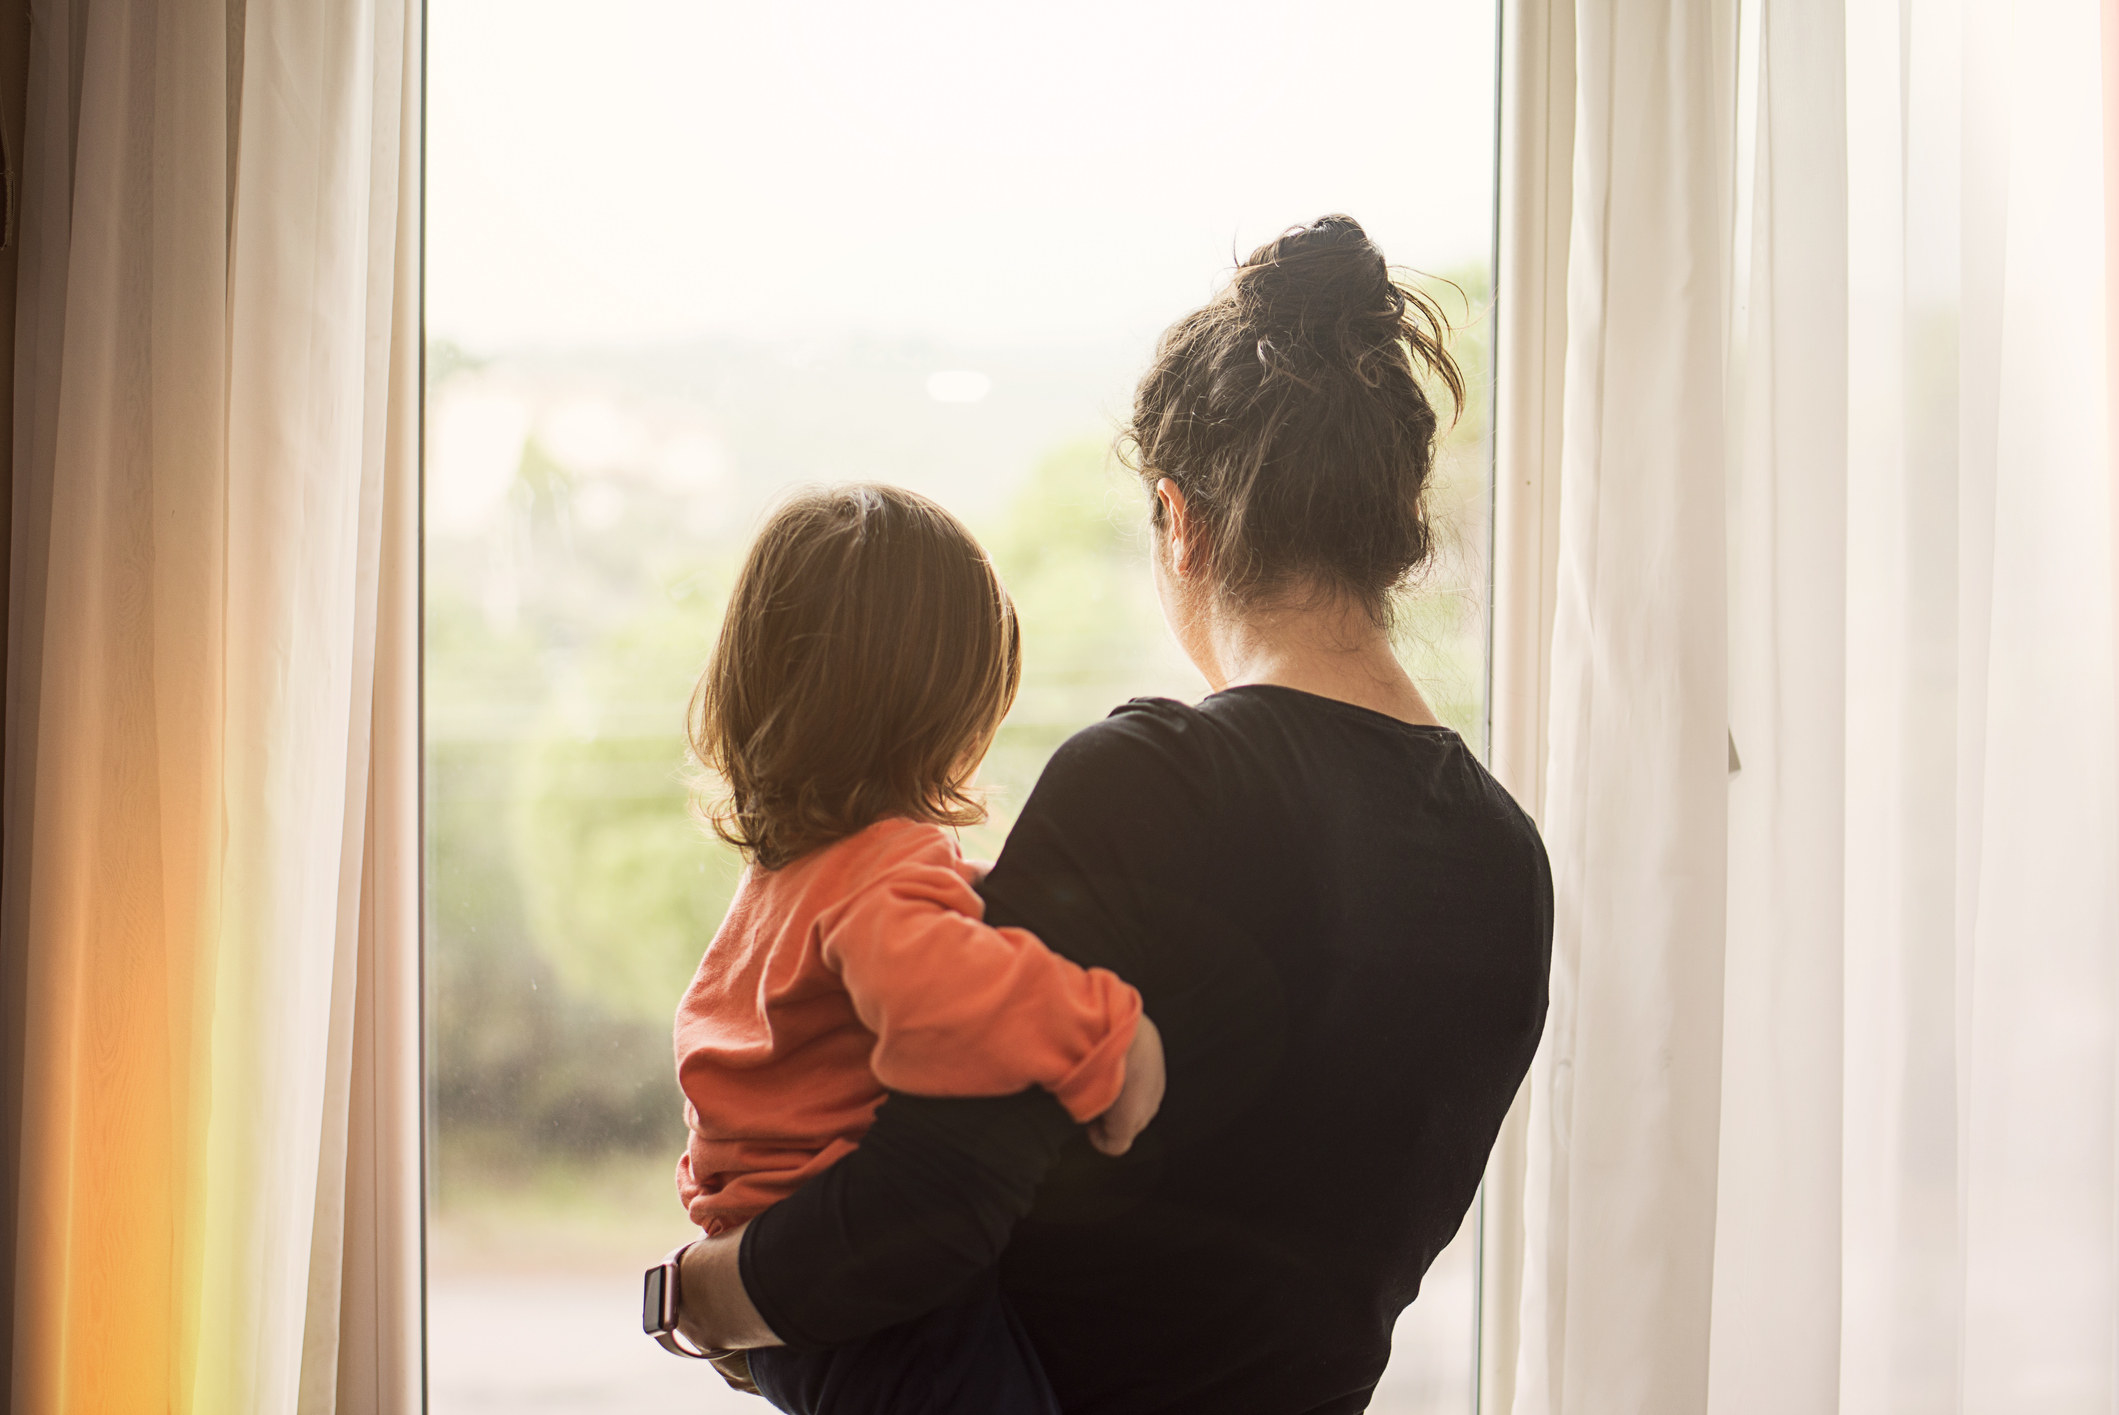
point(903, 1224)
point(714, 1311)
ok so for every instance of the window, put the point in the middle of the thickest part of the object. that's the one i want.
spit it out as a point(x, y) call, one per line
point(681, 257)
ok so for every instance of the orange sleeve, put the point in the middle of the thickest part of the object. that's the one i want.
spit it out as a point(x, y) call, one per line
point(961, 1009)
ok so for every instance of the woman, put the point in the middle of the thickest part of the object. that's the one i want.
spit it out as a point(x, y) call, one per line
point(1340, 921)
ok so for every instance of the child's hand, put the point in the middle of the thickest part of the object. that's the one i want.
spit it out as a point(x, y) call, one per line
point(1138, 1098)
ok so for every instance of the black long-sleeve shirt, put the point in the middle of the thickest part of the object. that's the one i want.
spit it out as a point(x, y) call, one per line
point(1342, 925)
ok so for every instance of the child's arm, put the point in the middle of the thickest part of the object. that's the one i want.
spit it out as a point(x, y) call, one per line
point(1114, 1131)
point(961, 1009)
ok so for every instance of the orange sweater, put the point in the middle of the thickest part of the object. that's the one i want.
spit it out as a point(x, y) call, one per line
point(863, 966)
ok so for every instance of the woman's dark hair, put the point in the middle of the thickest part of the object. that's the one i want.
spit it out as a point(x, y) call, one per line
point(866, 659)
point(1289, 412)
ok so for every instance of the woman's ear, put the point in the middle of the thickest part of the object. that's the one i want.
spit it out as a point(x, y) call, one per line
point(1177, 526)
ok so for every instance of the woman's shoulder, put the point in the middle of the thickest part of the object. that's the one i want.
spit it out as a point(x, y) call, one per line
point(1146, 725)
point(1156, 735)
point(1149, 762)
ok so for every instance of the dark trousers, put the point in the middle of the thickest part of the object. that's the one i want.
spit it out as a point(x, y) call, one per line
point(970, 1358)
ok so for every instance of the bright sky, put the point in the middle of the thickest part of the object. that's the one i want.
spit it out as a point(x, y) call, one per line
point(981, 172)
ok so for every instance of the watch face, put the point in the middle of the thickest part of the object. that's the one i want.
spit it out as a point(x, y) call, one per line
point(651, 1304)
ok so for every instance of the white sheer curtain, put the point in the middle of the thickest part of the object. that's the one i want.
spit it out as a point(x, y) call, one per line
point(212, 733)
point(1982, 804)
point(1619, 1232)
point(1828, 1113)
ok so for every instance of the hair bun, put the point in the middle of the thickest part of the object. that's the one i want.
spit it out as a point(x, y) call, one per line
point(1288, 410)
point(1327, 232)
point(1328, 269)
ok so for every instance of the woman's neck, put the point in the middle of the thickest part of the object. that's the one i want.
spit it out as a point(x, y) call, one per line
point(1330, 648)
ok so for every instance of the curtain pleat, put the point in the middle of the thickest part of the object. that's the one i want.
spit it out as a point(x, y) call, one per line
point(1775, 1337)
point(2039, 1031)
point(115, 721)
point(212, 850)
point(1978, 1170)
point(1898, 1313)
point(364, 1324)
point(1530, 314)
point(1620, 1198)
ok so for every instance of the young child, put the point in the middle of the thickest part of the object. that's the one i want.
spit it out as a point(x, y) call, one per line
point(867, 657)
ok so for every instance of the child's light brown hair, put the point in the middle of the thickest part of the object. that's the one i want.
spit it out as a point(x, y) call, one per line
point(865, 662)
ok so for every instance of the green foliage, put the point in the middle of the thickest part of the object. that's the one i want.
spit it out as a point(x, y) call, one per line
point(515, 1053)
point(1078, 572)
point(1073, 557)
point(623, 888)
point(542, 483)
point(1439, 622)
point(1077, 504)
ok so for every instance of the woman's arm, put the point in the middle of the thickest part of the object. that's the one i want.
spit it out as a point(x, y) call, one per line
point(925, 1205)
point(954, 1217)
point(897, 1228)
point(713, 1311)
point(905, 1223)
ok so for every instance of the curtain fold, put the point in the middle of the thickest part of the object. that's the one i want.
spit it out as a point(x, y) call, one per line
point(1530, 315)
point(1624, 1096)
point(1774, 1343)
point(2038, 1028)
point(1903, 994)
point(211, 836)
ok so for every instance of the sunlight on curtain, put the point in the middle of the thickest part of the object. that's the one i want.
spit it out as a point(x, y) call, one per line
point(1777, 1249)
point(211, 835)
point(1922, 1216)
point(1536, 141)
point(1619, 1200)
point(1981, 912)
point(1911, 1178)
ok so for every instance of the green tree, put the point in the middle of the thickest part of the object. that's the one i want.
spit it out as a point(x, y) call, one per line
point(623, 889)
point(517, 1057)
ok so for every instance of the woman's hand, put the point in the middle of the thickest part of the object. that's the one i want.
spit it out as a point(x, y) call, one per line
point(714, 1310)
point(1139, 1097)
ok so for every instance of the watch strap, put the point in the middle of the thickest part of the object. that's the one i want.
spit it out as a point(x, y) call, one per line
point(665, 1332)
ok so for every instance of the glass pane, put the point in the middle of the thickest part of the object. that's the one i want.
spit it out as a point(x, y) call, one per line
point(683, 256)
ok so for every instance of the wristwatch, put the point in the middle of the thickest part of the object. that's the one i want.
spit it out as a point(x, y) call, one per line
point(659, 1305)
